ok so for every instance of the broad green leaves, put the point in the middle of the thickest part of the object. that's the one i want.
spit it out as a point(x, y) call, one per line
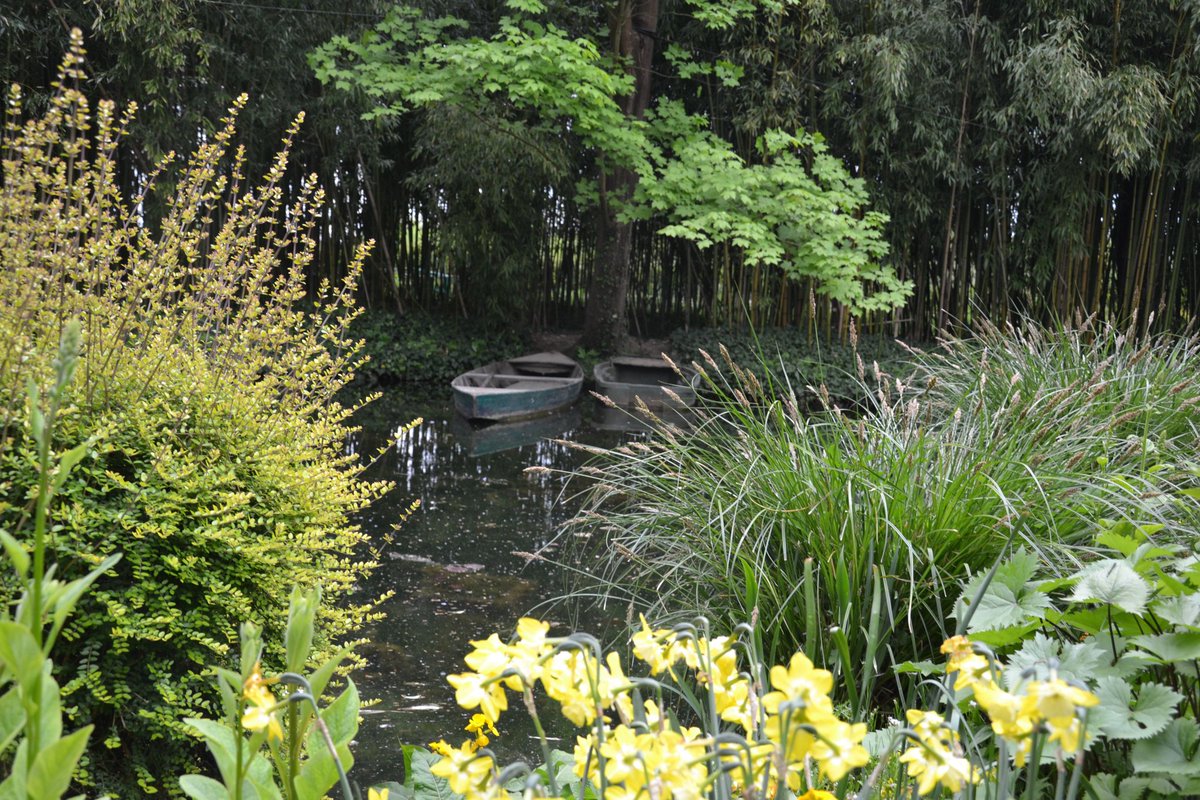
point(1112, 582)
point(795, 207)
point(1121, 716)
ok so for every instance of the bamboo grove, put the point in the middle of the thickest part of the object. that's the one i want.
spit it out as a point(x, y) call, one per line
point(1035, 158)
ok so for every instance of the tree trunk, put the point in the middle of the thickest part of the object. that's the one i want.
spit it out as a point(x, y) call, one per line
point(633, 27)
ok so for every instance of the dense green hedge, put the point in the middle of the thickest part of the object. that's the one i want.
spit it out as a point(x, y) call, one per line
point(415, 348)
point(791, 356)
point(217, 462)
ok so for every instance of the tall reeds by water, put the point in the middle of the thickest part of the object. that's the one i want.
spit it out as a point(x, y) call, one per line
point(844, 531)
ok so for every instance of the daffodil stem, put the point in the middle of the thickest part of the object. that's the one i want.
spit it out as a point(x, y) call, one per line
point(541, 732)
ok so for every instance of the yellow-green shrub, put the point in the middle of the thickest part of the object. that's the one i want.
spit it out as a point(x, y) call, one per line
point(207, 386)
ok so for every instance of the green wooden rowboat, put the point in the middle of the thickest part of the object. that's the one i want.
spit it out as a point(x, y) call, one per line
point(625, 378)
point(518, 388)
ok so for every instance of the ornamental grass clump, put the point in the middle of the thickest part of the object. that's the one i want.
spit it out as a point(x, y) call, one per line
point(847, 533)
point(205, 389)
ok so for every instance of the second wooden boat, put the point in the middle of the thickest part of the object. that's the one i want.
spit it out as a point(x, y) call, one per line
point(624, 378)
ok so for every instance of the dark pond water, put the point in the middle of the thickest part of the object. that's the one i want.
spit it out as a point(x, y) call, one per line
point(455, 565)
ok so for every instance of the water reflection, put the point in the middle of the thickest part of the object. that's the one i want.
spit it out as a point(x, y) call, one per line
point(457, 566)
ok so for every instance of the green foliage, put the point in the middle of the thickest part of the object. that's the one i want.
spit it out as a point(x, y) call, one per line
point(842, 531)
point(39, 759)
point(779, 356)
point(806, 218)
point(308, 747)
point(420, 349)
point(215, 459)
point(798, 210)
point(1125, 625)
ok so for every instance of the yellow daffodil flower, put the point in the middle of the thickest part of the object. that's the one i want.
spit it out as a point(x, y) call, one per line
point(652, 647)
point(463, 769)
point(1004, 709)
point(970, 666)
point(1055, 699)
point(935, 758)
point(260, 713)
point(472, 690)
point(839, 750)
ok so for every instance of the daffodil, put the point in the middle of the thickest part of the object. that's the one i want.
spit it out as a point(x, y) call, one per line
point(480, 725)
point(839, 749)
point(970, 666)
point(473, 690)
point(1004, 709)
point(936, 757)
point(260, 713)
point(491, 658)
point(799, 681)
point(1055, 699)
point(653, 647)
point(568, 677)
point(464, 769)
point(1067, 731)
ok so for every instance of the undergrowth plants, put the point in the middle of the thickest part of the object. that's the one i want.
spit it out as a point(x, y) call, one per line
point(217, 463)
point(847, 533)
point(710, 721)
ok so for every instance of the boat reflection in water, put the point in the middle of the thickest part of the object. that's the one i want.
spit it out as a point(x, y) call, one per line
point(630, 420)
point(484, 438)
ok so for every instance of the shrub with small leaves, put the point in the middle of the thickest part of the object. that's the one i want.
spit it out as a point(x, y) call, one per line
point(206, 387)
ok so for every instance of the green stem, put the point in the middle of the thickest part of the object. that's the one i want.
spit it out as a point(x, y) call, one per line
point(37, 578)
point(541, 732)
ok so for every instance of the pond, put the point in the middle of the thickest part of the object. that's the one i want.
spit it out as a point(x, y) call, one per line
point(458, 566)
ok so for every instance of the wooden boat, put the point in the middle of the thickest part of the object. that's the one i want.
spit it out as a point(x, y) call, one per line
point(627, 377)
point(517, 388)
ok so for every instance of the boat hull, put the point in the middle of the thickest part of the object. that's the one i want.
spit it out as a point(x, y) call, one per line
point(519, 388)
point(625, 379)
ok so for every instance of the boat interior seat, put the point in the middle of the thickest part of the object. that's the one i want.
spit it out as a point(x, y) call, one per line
point(532, 384)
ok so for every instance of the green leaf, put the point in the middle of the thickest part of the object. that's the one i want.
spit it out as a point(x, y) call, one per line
point(54, 765)
point(1112, 582)
point(319, 773)
point(341, 717)
point(1082, 662)
point(199, 787)
point(1104, 787)
point(13, 787)
point(1181, 610)
point(1119, 716)
point(426, 785)
point(20, 653)
point(12, 718)
point(1173, 750)
point(221, 743)
point(1171, 647)
point(16, 553)
point(881, 742)
point(67, 462)
point(925, 667)
point(1001, 607)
